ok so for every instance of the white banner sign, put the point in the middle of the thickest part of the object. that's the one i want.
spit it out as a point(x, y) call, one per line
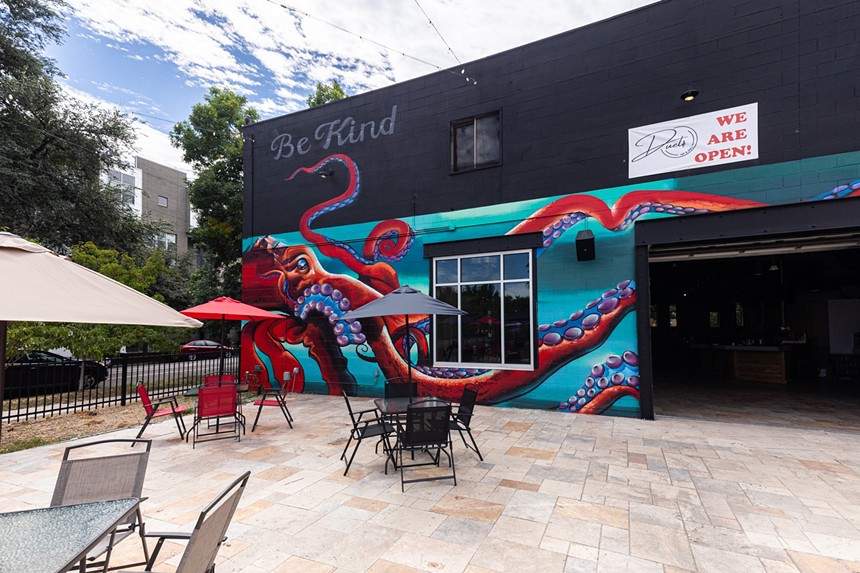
point(705, 140)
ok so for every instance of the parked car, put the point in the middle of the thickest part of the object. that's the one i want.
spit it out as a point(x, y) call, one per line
point(40, 372)
point(204, 349)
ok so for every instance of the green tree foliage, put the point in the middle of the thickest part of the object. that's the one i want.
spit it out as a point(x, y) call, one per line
point(325, 94)
point(100, 340)
point(26, 27)
point(53, 152)
point(211, 141)
point(54, 148)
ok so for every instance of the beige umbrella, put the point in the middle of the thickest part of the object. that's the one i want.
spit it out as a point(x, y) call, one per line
point(37, 285)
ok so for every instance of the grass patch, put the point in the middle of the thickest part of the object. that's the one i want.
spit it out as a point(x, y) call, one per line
point(19, 445)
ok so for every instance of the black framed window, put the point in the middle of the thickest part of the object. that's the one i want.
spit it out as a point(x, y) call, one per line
point(497, 292)
point(476, 142)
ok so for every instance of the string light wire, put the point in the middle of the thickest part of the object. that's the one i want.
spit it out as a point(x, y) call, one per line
point(294, 10)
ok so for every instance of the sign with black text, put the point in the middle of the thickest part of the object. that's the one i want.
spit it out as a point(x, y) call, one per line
point(705, 140)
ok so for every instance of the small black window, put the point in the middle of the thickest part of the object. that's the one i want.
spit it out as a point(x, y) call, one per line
point(476, 142)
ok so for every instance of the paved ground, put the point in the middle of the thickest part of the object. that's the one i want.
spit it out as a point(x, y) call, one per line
point(556, 493)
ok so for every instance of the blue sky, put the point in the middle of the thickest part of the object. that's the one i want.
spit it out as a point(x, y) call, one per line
point(156, 59)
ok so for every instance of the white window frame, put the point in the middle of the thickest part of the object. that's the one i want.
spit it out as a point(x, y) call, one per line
point(501, 282)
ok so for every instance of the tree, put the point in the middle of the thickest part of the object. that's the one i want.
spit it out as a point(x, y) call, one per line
point(326, 94)
point(211, 141)
point(54, 149)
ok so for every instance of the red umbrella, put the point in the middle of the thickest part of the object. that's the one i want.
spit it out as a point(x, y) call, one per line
point(226, 308)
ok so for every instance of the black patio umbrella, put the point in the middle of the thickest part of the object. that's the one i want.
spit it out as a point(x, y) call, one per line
point(403, 301)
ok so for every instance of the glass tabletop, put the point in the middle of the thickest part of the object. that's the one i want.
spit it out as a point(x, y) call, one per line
point(55, 538)
point(390, 406)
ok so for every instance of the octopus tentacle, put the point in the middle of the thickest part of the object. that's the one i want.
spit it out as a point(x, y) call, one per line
point(388, 242)
point(616, 377)
point(557, 217)
point(596, 322)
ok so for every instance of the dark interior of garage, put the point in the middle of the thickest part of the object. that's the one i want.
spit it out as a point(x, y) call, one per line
point(766, 337)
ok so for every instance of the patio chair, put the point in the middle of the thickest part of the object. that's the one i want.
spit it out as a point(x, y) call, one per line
point(99, 471)
point(427, 428)
point(366, 424)
point(162, 407)
point(218, 407)
point(272, 396)
point(209, 533)
point(401, 389)
point(216, 379)
point(462, 418)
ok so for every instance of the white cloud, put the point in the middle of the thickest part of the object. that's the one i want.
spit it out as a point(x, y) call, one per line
point(154, 145)
point(150, 143)
point(275, 56)
point(250, 45)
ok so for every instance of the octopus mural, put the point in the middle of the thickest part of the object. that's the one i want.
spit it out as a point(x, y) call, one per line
point(292, 279)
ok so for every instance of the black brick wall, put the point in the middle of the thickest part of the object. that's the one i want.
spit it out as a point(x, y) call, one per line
point(567, 103)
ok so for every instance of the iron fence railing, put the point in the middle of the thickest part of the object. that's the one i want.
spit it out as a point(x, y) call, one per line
point(43, 393)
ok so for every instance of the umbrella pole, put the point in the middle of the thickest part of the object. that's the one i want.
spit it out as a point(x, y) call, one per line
point(221, 373)
point(409, 357)
point(3, 325)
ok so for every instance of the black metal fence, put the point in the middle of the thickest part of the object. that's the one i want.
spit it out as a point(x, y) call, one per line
point(43, 393)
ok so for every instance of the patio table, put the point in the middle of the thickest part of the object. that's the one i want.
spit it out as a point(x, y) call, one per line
point(394, 410)
point(54, 539)
point(393, 407)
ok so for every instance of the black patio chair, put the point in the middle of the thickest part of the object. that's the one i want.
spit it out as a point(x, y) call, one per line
point(366, 424)
point(462, 418)
point(401, 389)
point(426, 428)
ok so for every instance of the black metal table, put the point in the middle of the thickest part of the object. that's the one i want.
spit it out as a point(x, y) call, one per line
point(393, 407)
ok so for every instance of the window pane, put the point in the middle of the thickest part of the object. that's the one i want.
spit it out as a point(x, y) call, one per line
point(446, 327)
point(489, 150)
point(446, 271)
point(162, 201)
point(517, 266)
point(517, 323)
point(446, 338)
point(464, 146)
point(481, 269)
point(482, 333)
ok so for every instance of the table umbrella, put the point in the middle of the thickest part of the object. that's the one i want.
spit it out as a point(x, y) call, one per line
point(37, 285)
point(226, 308)
point(404, 301)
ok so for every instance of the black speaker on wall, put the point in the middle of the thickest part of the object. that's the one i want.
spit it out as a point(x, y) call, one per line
point(585, 246)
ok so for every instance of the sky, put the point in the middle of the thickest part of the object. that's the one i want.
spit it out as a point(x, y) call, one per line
point(156, 59)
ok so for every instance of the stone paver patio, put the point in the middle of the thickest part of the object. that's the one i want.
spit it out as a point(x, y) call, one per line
point(556, 493)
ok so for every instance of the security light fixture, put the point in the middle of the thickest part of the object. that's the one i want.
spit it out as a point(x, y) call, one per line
point(326, 173)
point(689, 95)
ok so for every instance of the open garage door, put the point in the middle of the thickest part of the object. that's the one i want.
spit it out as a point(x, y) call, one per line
point(753, 315)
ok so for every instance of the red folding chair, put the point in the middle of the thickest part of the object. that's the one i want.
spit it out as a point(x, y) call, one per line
point(216, 379)
point(218, 406)
point(162, 407)
point(273, 396)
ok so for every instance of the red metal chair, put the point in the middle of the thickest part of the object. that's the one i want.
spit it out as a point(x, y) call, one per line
point(216, 379)
point(274, 396)
point(162, 407)
point(218, 406)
